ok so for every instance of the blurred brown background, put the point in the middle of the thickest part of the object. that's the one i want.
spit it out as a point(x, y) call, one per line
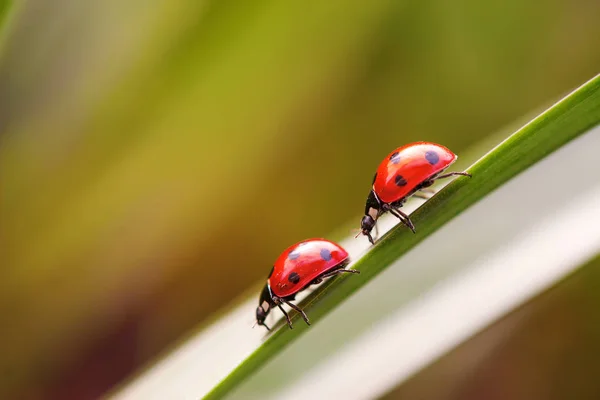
point(155, 157)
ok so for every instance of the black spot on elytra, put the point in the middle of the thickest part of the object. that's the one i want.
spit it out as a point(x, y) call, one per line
point(374, 177)
point(395, 158)
point(293, 255)
point(294, 278)
point(432, 157)
point(325, 254)
point(400, 181)
point(271, 273)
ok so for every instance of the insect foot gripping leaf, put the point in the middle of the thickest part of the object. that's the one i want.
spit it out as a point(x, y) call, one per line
point(299, 266)
point(403, 173)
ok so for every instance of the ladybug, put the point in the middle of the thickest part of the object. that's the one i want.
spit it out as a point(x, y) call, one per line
point(299, 266)
point(404, 171)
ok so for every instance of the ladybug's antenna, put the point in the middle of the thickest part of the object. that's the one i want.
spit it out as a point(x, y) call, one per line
point(357, 231)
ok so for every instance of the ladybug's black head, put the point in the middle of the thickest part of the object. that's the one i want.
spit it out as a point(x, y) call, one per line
point(261, 314)
point(366, 225)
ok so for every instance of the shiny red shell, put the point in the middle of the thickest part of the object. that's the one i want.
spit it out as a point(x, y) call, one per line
point(408, 166)
point(302, 263)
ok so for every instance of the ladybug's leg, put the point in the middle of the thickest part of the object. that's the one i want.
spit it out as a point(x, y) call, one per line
point(404, 218)
point(299, 310)
point(430, 181)
point(332, 273)
point(338, 271)
point(287, 317)
point(449, 174)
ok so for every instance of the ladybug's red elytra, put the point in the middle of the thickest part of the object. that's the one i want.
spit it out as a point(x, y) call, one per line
point(403, 172)
point(299, 266)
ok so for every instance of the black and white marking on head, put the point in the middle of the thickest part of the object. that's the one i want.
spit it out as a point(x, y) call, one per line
point(293, 255)
point(373, 213)
point(400, 181)
point(265, 306)
point(325, 254)
point(294, 278)
point(432, 157)
point(395, 157)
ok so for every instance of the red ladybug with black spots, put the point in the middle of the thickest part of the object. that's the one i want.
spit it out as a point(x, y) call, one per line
point(403, 172)
point(299, 266)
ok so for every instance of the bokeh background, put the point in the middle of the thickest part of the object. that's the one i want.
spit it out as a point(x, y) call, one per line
point(545, 349)
point(155, 157)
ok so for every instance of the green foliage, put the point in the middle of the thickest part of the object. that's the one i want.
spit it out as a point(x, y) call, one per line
point(137, 144)
point(561, 123)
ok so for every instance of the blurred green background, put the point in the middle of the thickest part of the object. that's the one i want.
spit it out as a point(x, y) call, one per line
point(155, 157)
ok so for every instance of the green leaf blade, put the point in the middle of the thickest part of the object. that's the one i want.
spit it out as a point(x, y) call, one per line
point(563, 122)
